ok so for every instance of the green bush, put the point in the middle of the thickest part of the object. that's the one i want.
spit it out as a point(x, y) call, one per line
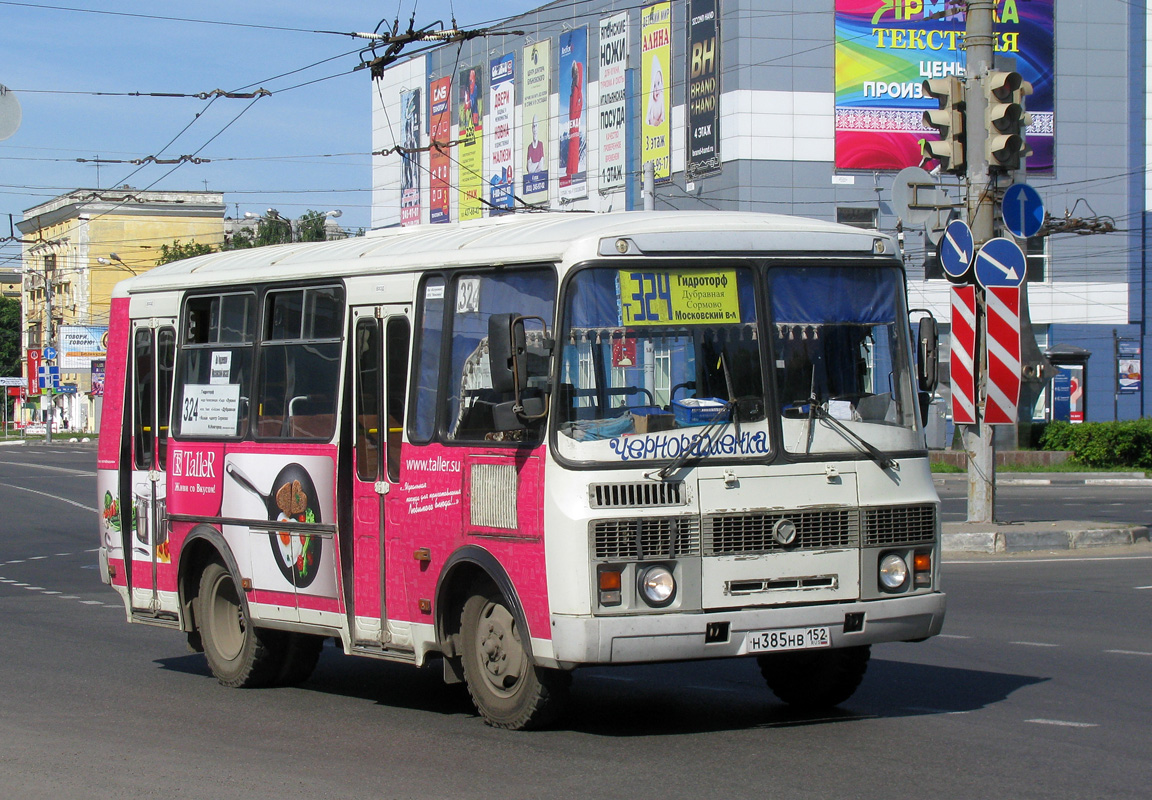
point(1103, 444)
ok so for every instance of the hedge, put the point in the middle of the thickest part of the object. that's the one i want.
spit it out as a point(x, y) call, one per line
point(1103, 444)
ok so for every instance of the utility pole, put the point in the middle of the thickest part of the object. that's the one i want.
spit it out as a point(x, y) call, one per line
point(978, 439)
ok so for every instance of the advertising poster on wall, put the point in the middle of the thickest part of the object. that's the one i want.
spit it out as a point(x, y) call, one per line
point(470, 94)
point(410, 179)
point(1128, 366)
point(703, 70)
point(537, 73)
point(884, 52)
point(573, 114)
point(439, 161)
point(79, 344)
point(656, 83)
point(613, 88)
point(99, 368)
point(503, 88)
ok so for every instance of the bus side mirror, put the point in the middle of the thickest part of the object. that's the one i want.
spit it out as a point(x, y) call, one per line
point(928, 354)
point(507, 359)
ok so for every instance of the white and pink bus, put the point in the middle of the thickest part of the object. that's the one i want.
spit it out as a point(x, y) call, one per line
point(527, 445)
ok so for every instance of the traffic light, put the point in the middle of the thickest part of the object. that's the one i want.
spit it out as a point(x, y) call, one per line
point(948, 120)
point(1006, 119)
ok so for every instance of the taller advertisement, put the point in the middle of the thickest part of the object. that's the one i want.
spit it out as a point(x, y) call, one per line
point(470, 90)
point(439, 157)
point(502, 80)
point(573, 114)
point(613, 90)
point(410, 156)
point(886, 48)
point(656, 82)
point(537, 86)
point(703, 69)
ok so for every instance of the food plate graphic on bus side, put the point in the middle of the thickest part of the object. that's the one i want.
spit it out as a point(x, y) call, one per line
point(293, 499)
point(787, 639)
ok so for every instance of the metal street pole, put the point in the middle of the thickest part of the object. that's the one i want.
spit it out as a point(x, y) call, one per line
point(978, 439)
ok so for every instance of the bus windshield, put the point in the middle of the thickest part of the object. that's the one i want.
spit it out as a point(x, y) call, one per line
point(840, 339)
point(651, 358)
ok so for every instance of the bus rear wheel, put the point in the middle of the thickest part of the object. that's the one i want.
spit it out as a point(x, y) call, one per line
point(239, 654)
point(507, 689)
point(815, 679)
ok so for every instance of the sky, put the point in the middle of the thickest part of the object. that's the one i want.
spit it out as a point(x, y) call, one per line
point(70, 63)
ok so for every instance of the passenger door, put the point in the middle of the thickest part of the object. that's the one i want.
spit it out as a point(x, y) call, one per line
point(146, 539)
point(380, 342)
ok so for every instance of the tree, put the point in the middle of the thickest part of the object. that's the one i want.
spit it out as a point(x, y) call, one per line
point(177, 251)
point(9, 337)
point(310, 227)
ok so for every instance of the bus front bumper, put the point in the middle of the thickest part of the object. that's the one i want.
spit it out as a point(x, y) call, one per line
point(683, 636)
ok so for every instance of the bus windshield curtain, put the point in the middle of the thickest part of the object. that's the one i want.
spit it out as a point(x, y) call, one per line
point(834, 295)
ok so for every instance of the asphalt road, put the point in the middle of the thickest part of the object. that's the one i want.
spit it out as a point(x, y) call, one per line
point(1064, 499)
point(1038, 689)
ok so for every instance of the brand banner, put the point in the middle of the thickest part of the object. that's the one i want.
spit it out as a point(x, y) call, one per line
point(503, 89)
point(703, 69)
point(470, 88)
point(613, 115)
point(410, 180)
point(573, 127)
point(537, 73)
point(656, 79)
point(439, 157)
point(886, 48)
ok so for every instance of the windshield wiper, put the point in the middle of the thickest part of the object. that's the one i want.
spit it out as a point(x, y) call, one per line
point(879, 456)
point(717, 421)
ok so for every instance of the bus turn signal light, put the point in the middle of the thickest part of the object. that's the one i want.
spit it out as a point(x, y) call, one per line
point(922, 566)
point(609, 583)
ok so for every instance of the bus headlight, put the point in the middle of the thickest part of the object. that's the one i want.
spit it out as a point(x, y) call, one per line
point(893, 572)
point(657, 585)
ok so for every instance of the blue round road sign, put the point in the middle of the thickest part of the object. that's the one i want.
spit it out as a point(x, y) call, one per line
point(956, 249)
point(1000, 262)
point(1023, 210)
point(49, 353)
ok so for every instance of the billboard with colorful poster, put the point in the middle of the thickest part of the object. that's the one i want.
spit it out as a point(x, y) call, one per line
point(79, 344)
point(573, 114)
point(885, 49)
point(537, 86)
point(613, 90)
point(503, 88)
point(410, 179)
point(656, 83)
point(470, 94)
point(702, 157)
point(439, 158)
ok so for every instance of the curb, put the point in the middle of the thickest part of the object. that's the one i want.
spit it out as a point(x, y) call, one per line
point(1020, 541)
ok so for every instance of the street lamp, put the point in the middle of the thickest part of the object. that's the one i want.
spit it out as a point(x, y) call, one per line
point(119, 263)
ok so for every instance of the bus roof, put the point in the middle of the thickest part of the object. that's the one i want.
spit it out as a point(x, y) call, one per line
point(513, 239)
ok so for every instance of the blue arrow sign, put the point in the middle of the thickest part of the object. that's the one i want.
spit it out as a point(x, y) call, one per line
point(956, 248)
point(1023, 210)
point(49, 353)
point(1000, 262)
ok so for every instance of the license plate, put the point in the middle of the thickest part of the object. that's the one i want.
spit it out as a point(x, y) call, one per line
point(788, 639)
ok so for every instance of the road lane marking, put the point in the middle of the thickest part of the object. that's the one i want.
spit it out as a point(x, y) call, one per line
point(1128, 652)
point(34, 588)
point(78, 472)
point(91, 603)
point(1063, 723)
point(50, 496)
point(1144, 587)
point(922, 710)
point(1070, 560)
point(952, 636)
point(1035, 644)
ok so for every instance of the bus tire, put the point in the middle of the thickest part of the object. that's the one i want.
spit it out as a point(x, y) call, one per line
point(815, 679)
point(301, 652)
point(507, 689)
point(239, 654)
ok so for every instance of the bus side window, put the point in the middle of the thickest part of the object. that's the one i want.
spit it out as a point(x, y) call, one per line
point(426, 375)
point(398, 335)
point(165, 373)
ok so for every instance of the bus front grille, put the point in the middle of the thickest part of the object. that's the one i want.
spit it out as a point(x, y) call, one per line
point(750, 533)
point(645, 537)
point(643, 494)
point(892, 525)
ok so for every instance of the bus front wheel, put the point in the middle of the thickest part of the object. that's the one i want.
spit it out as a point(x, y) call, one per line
point(508, 690)
point(239, 654)
point(815, 679)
